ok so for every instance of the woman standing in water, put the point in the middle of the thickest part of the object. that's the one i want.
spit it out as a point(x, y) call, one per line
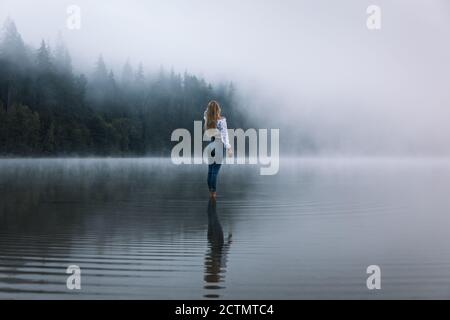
point(216, 129)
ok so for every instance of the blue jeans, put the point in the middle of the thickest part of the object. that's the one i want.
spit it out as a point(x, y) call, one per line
point(213, 172)
point(214, 164)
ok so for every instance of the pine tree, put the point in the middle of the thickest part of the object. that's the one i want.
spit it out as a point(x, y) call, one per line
point(12, 47)
point(63, 61)
point(100, 73)
point(127, 74)
point(140, 76)
point(43, 57)
point(14, 63)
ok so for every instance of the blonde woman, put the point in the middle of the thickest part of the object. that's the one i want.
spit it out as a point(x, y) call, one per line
point(216, 128)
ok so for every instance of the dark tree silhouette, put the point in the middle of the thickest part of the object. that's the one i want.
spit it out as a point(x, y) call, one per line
point(46, 108)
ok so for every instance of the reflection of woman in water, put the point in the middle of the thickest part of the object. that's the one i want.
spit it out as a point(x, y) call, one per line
point(216, 128)
point(215, 261)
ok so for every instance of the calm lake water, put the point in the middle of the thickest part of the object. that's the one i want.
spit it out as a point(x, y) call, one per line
point(144, 229)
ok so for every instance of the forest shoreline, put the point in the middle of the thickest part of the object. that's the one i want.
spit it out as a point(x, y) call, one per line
point(48, 108)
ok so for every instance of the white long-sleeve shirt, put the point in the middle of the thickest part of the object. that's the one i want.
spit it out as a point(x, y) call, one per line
point(222, 131)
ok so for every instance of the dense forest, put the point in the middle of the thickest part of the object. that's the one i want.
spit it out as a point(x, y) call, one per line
point(48, 109)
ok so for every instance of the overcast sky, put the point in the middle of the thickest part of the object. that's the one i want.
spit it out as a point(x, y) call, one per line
point(312, 61)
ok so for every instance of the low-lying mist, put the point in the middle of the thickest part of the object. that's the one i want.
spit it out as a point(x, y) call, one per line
point(310, 68)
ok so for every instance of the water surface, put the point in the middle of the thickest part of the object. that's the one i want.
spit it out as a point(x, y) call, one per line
point(144, 229)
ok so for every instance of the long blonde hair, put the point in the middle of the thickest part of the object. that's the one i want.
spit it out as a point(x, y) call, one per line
point(212, 114)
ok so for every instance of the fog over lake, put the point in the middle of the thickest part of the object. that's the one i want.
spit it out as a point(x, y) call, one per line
point(311, 67)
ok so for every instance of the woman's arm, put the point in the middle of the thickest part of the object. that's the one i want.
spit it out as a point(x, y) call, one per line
point(224, 134)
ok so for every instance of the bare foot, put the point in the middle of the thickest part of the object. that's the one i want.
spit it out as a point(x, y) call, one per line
point(212, 195)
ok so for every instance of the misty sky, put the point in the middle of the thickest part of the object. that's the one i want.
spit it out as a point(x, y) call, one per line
point(312, 63)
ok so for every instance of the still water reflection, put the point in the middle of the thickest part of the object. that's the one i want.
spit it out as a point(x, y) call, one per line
point(143, 228)
point(216, 258)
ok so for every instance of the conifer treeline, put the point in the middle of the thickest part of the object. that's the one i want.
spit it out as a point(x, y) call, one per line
point(47, 109)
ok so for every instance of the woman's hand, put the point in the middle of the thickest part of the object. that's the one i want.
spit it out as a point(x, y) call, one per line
point(230, 152)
